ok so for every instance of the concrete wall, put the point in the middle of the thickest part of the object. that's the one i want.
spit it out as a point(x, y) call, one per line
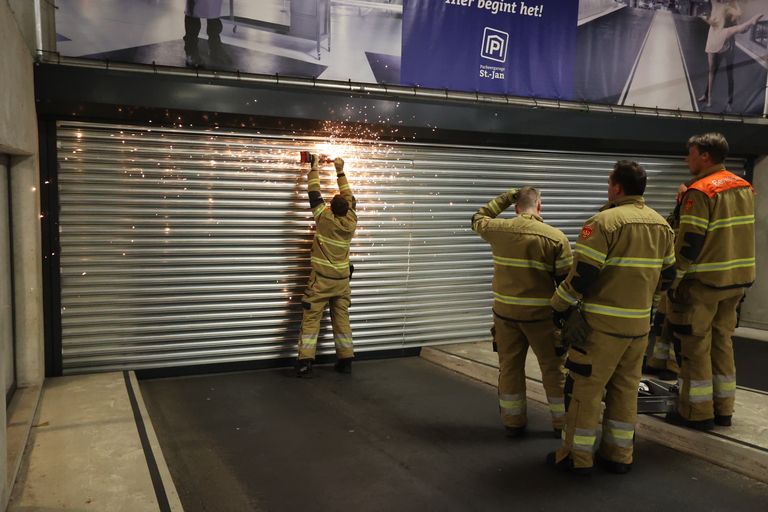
point(27, 21)
point(18, 138)
point(754, 312)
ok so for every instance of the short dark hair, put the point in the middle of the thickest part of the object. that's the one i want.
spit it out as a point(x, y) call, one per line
point(339, 205)
point(631, 176)
point(527, 198)
point(713, 143)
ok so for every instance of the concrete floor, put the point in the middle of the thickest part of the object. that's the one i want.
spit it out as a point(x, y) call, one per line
point(85, 452)
point(742, 447)
point(398, 434)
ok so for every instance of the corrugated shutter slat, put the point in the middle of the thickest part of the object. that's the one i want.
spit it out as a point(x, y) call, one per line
point(183, 247)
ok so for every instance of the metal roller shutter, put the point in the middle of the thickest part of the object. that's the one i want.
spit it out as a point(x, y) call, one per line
point(185, 247)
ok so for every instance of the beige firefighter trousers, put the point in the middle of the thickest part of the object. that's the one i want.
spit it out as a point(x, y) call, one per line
point(609, 364)
point(703, 319)
point(512, 342)
point(321, 291)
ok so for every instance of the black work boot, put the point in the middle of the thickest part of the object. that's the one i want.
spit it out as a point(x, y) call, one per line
point(566, 465)
point(723, 421)
point(674, 418)
point(514, 432)
point(343, 365)
point(304, 368)
point(619, 468)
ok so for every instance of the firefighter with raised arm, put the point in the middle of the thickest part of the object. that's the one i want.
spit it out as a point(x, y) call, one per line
point(624, 260)
point(529, 259)
point(715, 252)
point(331, 270)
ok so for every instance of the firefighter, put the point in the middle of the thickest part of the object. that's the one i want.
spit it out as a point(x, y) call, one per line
point(331, 271)
point(663, 361)
point(715, 252)
point(664, 355)
point(529, 257)
point(624, 258)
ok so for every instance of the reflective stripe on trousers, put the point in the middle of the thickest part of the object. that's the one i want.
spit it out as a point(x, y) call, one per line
point(724, 386)
point(619, 433)
point(308, 340)
point(584, 439)
point(343, 340)
point(699, 391)
point(514, 405)
point(661, 349)
point(557, 407)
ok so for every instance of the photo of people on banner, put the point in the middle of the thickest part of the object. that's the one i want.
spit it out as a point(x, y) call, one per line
point(692, 55)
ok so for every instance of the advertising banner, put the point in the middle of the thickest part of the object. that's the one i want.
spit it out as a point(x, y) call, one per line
point(691, 55)
point(520, 48)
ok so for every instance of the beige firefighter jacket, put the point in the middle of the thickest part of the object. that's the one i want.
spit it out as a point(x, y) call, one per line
point(716, 238)
point(528, 257)
point(624, 260)
point(333, 234)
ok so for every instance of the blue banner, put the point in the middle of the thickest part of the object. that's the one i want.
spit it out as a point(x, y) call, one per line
point(520, 48)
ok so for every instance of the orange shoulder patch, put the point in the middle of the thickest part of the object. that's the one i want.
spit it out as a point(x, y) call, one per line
point(586, 232)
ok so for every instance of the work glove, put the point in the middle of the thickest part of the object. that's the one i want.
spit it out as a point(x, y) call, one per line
point(514, 194)
point(314, 160)
point(672, 294)
point(339, 164)
point(574, 330)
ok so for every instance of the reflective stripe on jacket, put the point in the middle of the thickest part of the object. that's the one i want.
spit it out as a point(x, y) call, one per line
point(716, 240)
point(527, 257)
point(333, 234)
point(624, 257)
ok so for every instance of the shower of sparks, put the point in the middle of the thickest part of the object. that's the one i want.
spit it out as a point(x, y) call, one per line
point(252, 193)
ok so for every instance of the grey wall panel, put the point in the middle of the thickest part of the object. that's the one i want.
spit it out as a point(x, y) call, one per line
point(183, 247)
